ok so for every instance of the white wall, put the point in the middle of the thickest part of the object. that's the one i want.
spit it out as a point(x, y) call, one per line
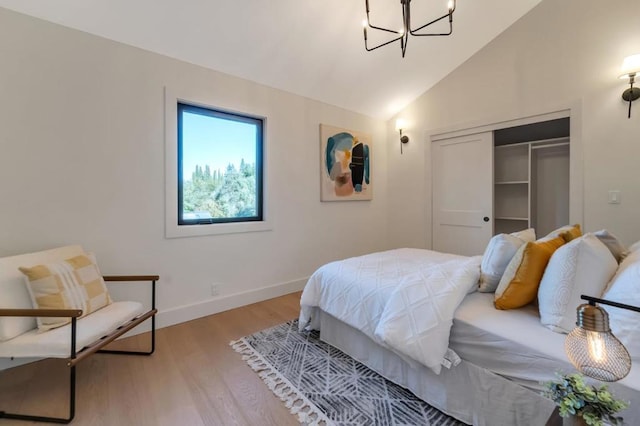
point(82, 161)
point(561, 54)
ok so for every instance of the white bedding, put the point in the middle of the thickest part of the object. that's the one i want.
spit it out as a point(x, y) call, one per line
point(494, 339)
point(505, 354)
point(470, 393)
point(403, 299)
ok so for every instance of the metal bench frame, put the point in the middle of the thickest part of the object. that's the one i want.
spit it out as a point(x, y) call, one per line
point(76, 357)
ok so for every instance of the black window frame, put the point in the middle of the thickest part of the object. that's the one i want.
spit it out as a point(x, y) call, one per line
point(225, 115)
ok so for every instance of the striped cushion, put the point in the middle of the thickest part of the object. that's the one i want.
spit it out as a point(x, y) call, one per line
point(74, 283)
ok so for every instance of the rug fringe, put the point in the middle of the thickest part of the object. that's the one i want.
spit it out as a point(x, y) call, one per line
point(296, 402)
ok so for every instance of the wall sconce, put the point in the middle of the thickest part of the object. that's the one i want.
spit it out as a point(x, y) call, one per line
point(401, 124)
point(631, 67)
point(592, 348)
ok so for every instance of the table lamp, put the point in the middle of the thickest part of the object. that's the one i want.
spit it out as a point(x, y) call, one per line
point(592, 348)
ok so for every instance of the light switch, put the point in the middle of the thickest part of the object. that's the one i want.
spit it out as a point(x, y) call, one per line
point(614, 196)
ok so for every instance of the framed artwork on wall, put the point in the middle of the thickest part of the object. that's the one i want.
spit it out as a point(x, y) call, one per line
point(345, 165)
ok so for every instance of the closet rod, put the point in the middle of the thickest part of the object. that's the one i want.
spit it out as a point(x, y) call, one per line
point(541, 141)
point(549, 145)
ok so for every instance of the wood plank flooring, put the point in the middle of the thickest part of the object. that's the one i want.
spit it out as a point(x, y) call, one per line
point(194, 377)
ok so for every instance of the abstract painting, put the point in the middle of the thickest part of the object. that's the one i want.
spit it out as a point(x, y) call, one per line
point(345, 165)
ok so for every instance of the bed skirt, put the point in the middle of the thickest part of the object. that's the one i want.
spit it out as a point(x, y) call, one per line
point(467, 392)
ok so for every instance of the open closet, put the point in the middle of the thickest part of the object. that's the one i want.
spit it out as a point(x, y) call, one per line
point(531, 177)
point(499, 181)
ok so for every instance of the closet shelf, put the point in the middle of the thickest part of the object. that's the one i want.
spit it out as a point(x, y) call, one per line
point(511, 218)
point(512, 182)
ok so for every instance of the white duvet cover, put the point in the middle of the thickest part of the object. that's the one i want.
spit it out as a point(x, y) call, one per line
point(403, 299)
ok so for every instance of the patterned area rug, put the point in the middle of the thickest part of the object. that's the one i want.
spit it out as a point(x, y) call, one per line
point(324, 386)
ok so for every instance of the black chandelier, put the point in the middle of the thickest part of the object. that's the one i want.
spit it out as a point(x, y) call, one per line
point(403, 35)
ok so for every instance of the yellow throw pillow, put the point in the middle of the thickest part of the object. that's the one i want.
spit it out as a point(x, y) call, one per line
point(572, 233)
point(519, 284)
point(74, 283)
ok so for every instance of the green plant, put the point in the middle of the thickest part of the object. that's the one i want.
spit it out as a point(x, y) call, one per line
point(574, 397)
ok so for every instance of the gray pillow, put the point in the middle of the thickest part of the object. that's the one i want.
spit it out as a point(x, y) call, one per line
point(613, 244)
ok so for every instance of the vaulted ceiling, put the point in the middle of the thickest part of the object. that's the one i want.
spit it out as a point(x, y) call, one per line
point(311, 48)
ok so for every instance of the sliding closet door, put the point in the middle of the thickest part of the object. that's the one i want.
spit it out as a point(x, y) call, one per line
point(462, 193)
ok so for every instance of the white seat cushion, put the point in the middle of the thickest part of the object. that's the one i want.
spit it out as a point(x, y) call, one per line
point(56, 343)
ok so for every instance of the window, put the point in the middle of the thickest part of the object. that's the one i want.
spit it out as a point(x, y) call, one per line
point(219, 166)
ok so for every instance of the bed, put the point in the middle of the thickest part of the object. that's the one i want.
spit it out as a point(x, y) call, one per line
point(493, 362)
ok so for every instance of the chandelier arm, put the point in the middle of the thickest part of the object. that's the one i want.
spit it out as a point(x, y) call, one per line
point(380, 45)
point(434, 34)
point(380, 28)
point(370, 25)
point(431, 23)
point(593, 300)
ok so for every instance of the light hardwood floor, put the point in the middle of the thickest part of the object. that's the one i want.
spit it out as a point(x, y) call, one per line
point(194, 377)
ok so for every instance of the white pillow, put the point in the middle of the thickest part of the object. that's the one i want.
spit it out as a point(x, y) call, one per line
point(582, 266)
point(613, 244)
point(634, 247)
point(625, 288)
point(497, 255)
point(559, 231)
point(525, 235)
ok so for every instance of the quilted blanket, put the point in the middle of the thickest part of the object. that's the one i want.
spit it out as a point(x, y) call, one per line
point(403, 299)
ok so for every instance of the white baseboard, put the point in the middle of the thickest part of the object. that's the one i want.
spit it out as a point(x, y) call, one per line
point(220, 304)
point(197, 310)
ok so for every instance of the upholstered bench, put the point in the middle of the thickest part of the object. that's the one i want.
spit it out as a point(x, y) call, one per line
point(41, 315)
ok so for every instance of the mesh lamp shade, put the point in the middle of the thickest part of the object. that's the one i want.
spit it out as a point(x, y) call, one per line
point(593, 350)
